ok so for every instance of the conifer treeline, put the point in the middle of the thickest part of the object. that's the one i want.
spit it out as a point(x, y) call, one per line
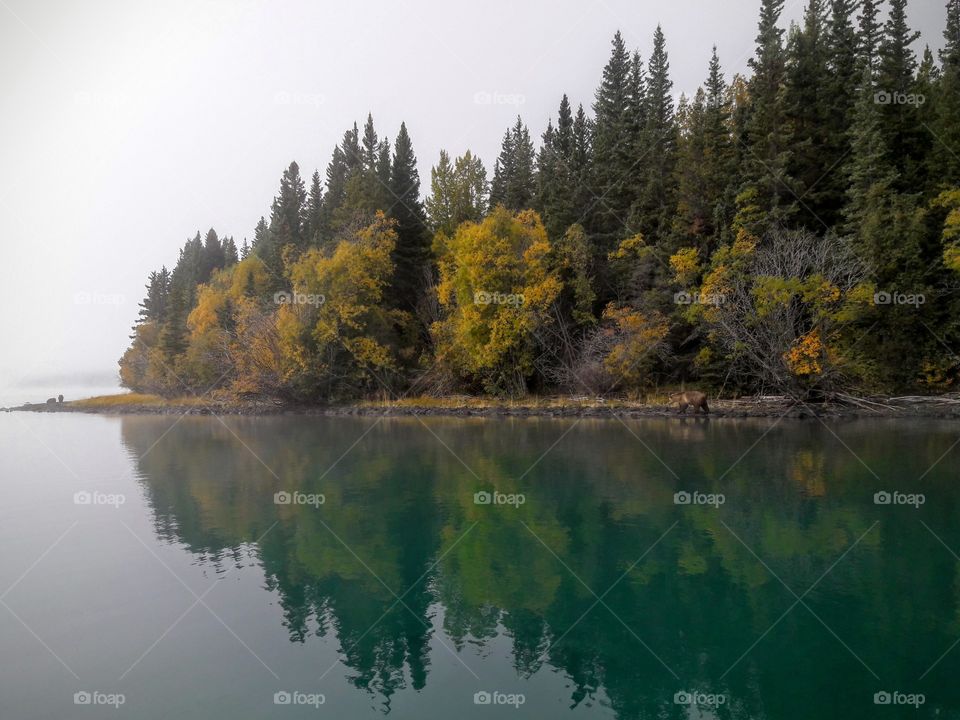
point(797, 230)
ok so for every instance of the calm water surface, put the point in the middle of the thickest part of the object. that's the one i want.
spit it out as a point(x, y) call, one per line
point(156, 560)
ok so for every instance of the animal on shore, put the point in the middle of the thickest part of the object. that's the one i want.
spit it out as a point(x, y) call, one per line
point(60, 399)
point(51, 401)
point(691, 397)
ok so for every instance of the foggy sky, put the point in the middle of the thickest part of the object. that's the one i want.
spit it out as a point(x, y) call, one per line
point(129, 125)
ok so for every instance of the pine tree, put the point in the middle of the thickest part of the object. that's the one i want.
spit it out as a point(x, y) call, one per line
point(719, 171)
point(767, 156)
point(557, 178)
point(286, 231)
point(213, 256)
point(656, 199)
point(944, 167)
point(897, 69)
point(869, 36)
point(411, 252)
point(613, 157)
point(807, 94)
point(869, 174)
point(704, 166)
point(839, 100)
point(502, 170)
point(313, 215)
point(514, 178)
point(230, 255)
point(153, 308)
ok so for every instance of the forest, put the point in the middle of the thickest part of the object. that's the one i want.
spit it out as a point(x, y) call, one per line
point(793, 231)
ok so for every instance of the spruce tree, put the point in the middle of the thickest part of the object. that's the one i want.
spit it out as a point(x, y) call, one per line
point(410, 255)
point(213, 256)
point(895, 81)
point(807, 94)
point(613, 155)
point(286, 233)
point(514, 179)
point(656, 199)
point(944, 166)
point(869, 36)
point(313, 215)
point(230, 254)
point(767, 157)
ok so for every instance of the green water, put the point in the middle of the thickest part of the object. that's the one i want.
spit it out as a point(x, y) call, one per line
point(186, 590)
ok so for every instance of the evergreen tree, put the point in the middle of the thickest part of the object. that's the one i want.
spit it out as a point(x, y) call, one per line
point(313, 215)
point(839, 100)
point(557, 179)
point(807, 96)
point(944, 167)
point(153, 308)
point(768, 156)
point(613, 155)
point(895, 81)
point(411, 252)
point(285, 234)
point(719, 164)
point(213, 258)
point(869, 36)
point(230, 256)
point(656, 198)
point(869, 175)
point(705, 191)
point(514, 177)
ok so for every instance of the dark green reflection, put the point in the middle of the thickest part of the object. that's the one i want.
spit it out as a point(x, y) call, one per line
point(400, 520)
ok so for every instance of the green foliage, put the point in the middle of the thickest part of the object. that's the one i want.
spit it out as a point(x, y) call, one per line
point(801, 190)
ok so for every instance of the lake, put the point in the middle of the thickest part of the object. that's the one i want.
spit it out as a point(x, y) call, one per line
point(306, 567)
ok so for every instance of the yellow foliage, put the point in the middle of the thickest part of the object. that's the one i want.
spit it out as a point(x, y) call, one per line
point(686, 265)
point(496, 286)
point(806, 355)
point(630, 248)
point(639, 337)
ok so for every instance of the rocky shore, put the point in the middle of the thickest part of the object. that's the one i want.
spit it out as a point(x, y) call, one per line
point(558, 407)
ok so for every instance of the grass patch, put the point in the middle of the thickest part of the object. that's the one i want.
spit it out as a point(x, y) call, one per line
point(136, 400)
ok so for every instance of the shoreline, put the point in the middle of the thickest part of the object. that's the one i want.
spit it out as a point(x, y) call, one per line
point(944, 407)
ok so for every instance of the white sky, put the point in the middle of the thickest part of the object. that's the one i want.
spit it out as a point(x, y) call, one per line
point(128, 125)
